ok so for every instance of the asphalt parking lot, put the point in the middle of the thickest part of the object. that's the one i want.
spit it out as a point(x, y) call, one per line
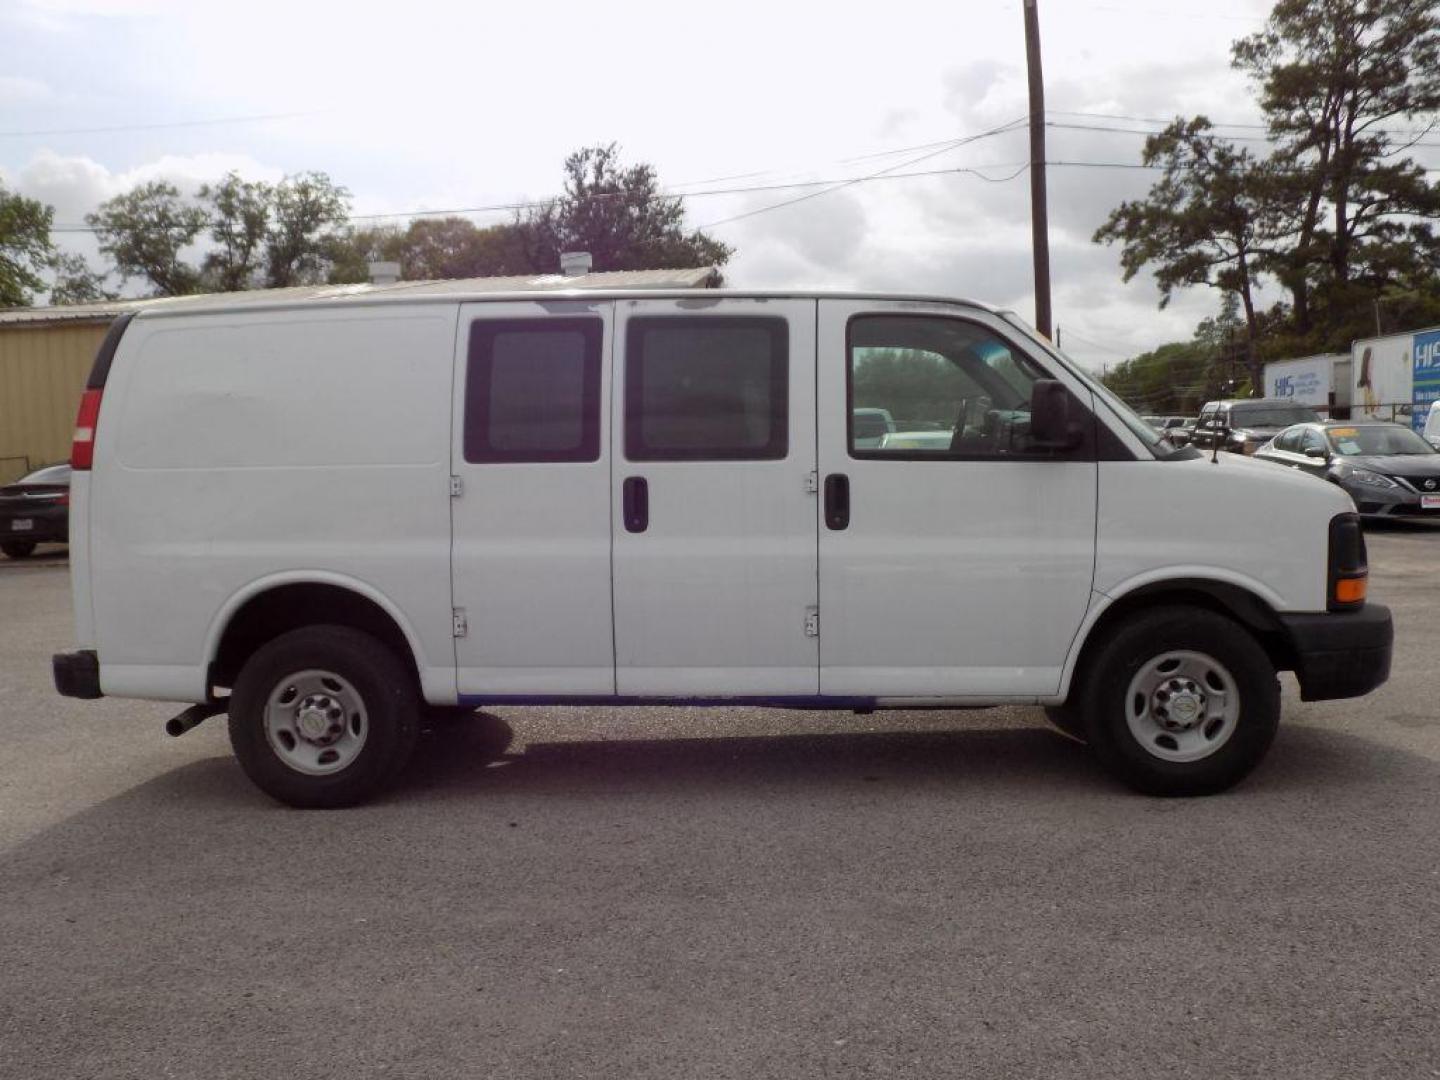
point(656, 893)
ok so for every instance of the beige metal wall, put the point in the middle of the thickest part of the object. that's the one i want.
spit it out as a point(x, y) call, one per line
point(42, 372)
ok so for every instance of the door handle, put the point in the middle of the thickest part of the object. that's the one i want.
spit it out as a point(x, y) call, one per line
point(837, 501)
point(636, 504)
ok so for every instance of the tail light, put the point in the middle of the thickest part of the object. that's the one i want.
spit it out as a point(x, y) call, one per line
point(82, 450)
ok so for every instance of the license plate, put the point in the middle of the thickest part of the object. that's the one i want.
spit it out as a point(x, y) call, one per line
point(1430, 502)
point(27, 524)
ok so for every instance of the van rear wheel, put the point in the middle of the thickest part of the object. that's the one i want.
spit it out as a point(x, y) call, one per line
point(324, 716)
point(1181, 701)
point(18, 549)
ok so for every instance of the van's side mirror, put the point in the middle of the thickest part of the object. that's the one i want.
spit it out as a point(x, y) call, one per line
point(1316, 452)
point(1051, 426)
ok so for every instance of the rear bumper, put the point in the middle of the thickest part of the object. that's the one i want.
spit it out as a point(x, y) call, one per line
point(1341, 654)
point(77, 674)
point(50, 525)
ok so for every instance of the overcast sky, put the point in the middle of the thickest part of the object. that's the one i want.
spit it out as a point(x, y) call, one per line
point(423, 106)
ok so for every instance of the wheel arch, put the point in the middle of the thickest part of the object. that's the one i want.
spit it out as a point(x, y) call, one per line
point(1237, 601)
point(269, 607)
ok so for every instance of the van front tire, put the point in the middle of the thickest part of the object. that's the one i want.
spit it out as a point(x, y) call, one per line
point(324, 716)
point(1181, 701)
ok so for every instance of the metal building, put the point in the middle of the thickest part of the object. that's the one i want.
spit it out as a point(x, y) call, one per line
point(46, 352)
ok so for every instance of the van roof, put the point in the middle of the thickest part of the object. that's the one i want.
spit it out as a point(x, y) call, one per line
point(606, 285)
point(453, 292)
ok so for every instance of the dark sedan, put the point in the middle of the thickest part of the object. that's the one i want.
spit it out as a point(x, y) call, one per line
point(1388, 469)
point(35, 510)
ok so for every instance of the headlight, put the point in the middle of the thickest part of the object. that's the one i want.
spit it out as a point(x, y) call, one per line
point(1371, 479)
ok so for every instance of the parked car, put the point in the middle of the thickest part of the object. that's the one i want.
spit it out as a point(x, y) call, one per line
point(1180, 430)
point(340, 511)
point(35, 510)
point(1431, 431)
point(1388, 470)
point(871, 425)
point(1242, 426)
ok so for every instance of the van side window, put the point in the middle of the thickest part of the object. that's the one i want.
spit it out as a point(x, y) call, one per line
point(947, 388)
point(532, 390)
point(713, 388)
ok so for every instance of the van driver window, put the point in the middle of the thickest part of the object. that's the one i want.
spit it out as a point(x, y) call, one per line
point(932, 387)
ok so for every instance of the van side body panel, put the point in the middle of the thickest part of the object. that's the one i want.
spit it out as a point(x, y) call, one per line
point(239, 447)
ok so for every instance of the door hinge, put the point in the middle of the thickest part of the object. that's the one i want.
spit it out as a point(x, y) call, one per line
point(812, 622)
point(460, 626)
point(457, 486)
point(812, 481)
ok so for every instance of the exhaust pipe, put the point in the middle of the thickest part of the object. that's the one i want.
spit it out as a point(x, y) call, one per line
point(193, 717)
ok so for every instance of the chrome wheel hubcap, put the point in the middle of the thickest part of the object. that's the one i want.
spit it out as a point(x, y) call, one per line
point(315, 721)
point(1182, 706)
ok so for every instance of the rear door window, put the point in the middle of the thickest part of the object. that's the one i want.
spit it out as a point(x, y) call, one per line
point(532, 390)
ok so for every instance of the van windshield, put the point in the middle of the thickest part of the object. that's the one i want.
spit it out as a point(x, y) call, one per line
point(1157, 442)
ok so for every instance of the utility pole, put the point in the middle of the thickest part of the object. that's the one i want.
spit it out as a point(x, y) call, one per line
point(1039, 216)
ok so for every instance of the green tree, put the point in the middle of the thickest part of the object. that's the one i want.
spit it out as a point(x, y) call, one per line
point(25, 248)
point(352, 250)
point(619, 215)
point(1338, 213)
point(307, 214)
point(143, 233)
point(75, 282)
point(239, 214)
point(1205, 222)
point(1330, 74)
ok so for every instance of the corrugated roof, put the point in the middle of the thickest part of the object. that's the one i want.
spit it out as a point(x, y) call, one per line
point(694, 278)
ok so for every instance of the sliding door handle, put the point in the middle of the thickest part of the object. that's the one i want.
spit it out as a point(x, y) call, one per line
point(636, 504)
point(837, 501)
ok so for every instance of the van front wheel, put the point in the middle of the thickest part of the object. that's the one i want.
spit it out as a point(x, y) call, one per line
point(1181, 701)
point(323, 716)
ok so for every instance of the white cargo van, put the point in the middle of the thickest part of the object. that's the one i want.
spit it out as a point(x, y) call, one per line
point(326, 515)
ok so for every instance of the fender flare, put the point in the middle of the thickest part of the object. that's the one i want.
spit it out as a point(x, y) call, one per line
point(215, 632)
point(1219, 583)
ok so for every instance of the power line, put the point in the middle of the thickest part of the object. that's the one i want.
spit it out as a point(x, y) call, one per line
point(1397, 132)
point(1018, 167)
point(872, 176)
point(833, 184)
point(1143, 131)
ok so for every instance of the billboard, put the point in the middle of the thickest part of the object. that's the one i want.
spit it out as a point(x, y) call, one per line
point(1384, 377)
point(1305, 382)
point(1425, 355)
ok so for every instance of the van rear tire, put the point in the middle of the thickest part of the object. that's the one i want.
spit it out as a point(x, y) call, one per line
point(1181, 701)
point(18, 549)
point(324, 716)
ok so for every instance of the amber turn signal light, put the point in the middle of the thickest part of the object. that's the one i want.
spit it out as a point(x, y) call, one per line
point(1351, 590)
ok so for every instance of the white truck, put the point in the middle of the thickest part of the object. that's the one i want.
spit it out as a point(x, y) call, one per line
point(323, 516)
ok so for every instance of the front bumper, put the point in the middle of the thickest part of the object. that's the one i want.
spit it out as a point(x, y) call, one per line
point(1341, 654)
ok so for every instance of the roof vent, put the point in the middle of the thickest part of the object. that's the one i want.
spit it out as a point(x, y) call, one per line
point(384, 273)
point(575, 263)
